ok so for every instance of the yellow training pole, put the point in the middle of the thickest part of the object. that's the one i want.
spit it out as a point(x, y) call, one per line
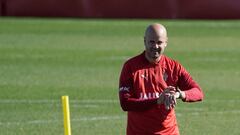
point(66, 115)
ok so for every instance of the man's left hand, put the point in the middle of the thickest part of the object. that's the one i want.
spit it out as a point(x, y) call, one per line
point(171, 94)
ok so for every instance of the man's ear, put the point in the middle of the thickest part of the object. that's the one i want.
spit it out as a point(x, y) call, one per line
point(166, 42)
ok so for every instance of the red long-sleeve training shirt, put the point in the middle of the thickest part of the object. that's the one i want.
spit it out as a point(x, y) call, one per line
point(141, 83)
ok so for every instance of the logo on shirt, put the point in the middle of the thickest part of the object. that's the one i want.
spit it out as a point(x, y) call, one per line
point(124, 89)
point(144, 76)
point(149, 95)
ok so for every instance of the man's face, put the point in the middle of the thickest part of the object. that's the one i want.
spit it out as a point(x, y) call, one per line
point(154, 46)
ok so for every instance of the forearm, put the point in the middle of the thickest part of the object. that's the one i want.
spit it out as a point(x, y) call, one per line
point(193, 95)
point(134, 104)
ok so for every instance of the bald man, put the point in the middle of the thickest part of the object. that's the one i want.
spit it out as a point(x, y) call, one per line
point(150, 84)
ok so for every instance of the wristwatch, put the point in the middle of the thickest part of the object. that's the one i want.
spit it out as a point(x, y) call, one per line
point(179, 93)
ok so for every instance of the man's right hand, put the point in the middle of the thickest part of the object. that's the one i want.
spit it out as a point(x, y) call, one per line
point(168, 97)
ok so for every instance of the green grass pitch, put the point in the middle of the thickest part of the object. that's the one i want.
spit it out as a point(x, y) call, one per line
point(43, 59)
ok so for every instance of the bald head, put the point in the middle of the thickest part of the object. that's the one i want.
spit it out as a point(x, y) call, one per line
point(155, 41)
point(156, 30)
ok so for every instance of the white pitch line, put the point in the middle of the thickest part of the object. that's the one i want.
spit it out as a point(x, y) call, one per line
point(81, 106)
point(85, 106)
point(222, 100)
point(39, 122)
point(209, 113)
point(113, 58)
point(96, 101)
point(23, 101)
point(99, 118)
point(46, 101)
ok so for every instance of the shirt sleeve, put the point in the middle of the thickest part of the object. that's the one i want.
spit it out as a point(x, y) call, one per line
point(126, 93)
point(191, 88)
